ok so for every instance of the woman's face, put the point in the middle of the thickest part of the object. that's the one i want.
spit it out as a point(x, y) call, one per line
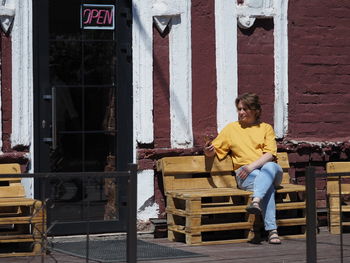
point(245, 115)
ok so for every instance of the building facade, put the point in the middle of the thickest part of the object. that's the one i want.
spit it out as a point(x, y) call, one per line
point(190, 59)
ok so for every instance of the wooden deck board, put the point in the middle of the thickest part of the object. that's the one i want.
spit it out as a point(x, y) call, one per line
point(291, 251)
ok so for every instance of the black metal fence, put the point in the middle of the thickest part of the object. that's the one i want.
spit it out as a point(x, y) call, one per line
point(311, 219)
point(131, 204)
point(131, 229)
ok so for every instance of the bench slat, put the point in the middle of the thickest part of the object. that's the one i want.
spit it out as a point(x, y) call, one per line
point(193, 164)
point(201, 192)
point(338, 167)
point(209, 210)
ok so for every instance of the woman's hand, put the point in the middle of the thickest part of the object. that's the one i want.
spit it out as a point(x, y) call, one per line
point(209, 149)
point(244, 171)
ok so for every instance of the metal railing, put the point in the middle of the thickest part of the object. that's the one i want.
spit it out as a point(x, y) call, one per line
point(311, 218)
point(131, 204)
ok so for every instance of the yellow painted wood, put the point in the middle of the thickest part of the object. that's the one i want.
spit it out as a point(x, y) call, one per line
point(338, 167)
point(193, 164)
point(288, 237)
point(288, 188)
point(333, 194)
point(12, 191)
point(208, 211)
point(288, 206)
point(10, 168)
point(26, 214)
point(19, 201)
point(282, 159)
point(200, 192)
point(13, 238)
point(291, 221)
point(219, 227)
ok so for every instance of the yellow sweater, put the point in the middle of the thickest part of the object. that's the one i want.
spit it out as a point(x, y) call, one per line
point(245, 145)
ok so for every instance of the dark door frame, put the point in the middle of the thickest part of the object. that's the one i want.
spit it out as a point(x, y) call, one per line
point(124, 150)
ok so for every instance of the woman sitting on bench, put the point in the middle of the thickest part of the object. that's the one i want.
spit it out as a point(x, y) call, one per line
point(252, 147)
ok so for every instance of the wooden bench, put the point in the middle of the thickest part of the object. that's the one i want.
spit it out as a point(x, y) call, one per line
point(22, 220)
point(204, 205)
point(334, 200)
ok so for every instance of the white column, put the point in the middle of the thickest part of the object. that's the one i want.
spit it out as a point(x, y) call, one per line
point(142, 72)
point(22, 81)
point(281, 67)
point(226, 14)
point(226, 61)
point(181, 78)
point(22, 74)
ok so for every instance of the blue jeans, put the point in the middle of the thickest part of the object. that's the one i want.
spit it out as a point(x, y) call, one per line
point(262, 183)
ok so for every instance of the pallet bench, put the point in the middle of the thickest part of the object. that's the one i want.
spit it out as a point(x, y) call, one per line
point(204, 205)
point(334, 199)
point(22, 220)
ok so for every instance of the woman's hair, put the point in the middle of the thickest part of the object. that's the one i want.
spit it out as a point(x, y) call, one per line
point(251, 101)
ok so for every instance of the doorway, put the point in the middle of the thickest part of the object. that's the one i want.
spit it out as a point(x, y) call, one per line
point(83, 110)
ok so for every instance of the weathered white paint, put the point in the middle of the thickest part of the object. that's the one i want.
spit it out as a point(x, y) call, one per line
point(6, 16)
point(167, 7)
point(142, 72)
point(181, 79)
point(162, 22)
point(146, 206)
point(226, 61)
point(22, 74)
point(28, 183)
point(281, 67)
point(251, 9)
point(22, 79)
point(180, 69)
point(246, 14)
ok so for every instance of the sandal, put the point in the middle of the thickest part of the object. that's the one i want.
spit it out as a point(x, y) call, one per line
point(273, 237)
point(254, 208)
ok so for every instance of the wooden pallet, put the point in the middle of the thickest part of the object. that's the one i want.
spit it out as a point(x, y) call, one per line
point(334, 199)
point(204, 205)
point(290, 204)
point(200, 216)
point(22, 220)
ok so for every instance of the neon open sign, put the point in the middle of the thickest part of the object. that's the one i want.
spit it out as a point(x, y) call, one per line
point(97, 16)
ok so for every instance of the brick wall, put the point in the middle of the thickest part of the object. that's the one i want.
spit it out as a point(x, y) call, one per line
point(319, 66)
point(319, 98)
point(256, 64)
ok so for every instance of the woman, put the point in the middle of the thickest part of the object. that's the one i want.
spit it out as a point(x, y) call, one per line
point(252, 147)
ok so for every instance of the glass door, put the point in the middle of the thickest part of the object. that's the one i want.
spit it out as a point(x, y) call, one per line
point(83, 95)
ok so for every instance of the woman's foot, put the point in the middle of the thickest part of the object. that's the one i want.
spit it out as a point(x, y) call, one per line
point(254, 208)
point(273, 237)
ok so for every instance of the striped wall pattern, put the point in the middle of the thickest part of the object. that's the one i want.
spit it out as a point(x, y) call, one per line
point(181, 63)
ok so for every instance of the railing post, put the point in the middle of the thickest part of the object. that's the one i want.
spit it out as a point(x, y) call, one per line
point(132, 214)
point(311, 249)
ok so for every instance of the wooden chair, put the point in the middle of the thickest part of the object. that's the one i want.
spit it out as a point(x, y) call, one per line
point(204, 205)
point(22, 220)
point(334, 199)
